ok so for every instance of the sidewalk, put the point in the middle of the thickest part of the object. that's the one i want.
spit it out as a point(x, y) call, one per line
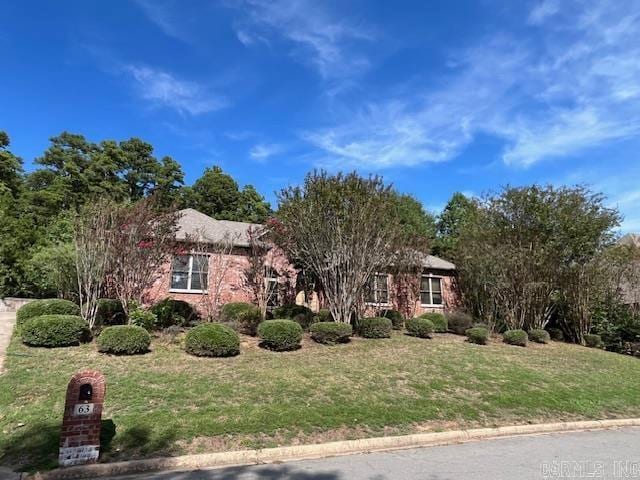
point(7, 321)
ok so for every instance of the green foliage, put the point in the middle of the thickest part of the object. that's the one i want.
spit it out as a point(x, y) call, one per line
point(110, 312)
point(440, 324)
point(280, 334)
point(616, 323)
point(539, 336)
point(50, 269)
point(170, 312)
point(395, 316)
point(331, 333)
point(324, 315)
point(10, 168)
point(458, 212)
point(143, 318)
point(299, 313)
point(515, 337)
point(419, 327)
point(54, 331)
point(212, 340)
point(124, 340)
point(593, 340)
point(477, 335)
point(556, 334)
point(459, 322)
point(375, 327)
point(418, 226)
point(53, 306)
point(242, 316)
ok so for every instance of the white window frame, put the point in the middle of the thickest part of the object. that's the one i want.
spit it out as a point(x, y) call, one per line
point(269, 278)
point(431, 304)
point(375, 290)
point(189, 275)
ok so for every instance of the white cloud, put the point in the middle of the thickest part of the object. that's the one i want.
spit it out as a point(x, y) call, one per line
point(162, 88)
point(162, 14)
point(543, 10)
point(263, 151)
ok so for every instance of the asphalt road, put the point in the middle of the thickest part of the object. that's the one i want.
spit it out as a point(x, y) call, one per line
point(610, 454)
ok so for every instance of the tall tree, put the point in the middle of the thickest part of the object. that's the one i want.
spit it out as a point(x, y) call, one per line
point(10, 168)
point(458, 211)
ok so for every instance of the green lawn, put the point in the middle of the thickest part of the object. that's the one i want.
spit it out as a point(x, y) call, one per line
point(169, 403)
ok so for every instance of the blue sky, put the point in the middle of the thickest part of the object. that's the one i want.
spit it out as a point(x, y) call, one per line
point(437, 97)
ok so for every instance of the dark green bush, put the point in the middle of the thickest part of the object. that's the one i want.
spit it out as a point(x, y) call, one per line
point(592, 340)
point(397, 321)
point(419, 327)
point(110, 312)
point(171, 312)
point(331, 333)
point(323, 315)
point(242, 317)
point(142, 317)
point(280, 335)
point(556, 334)
point(375, 327)
point(515, 337)
point(539, 336)
point(477, 335)
point(54, 331)
point(298, 313)
point(53, 306)
point(459, 322)
point(440, 324)
point(124, 340)
point(212, 340)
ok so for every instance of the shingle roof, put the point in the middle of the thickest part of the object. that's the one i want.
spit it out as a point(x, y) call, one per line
point(437, 263)
point(196, 225)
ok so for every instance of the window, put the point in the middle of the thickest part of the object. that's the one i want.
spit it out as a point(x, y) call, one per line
point(430, 290)
point(190, 273)
point(271, 282)
point(377, 290)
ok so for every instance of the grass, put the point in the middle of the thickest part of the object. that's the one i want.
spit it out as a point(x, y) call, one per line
point(169, 403)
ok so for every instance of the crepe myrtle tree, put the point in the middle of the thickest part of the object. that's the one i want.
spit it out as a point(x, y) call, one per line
point(341, 228)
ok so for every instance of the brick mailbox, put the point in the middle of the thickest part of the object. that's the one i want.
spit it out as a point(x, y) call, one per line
point(80, 437)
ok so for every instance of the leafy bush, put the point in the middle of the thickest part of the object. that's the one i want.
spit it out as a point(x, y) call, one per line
point(299, 313)
point(440, 324)
point(170, 312)
point(280, 335)
point(53, 306)
point(212, 340)
point(323, 315)
point(515, 337)
point(592, 340)
point(539, 336)
point(143, 318)
point(556, 334)
point(419, 327)
point(331, 333)
point(110, 312)
point(54, 331)
point(477, 335)
point(124, 340)
point(375, 327)
point(397, 321)
point(242, 317)
point(459, 322)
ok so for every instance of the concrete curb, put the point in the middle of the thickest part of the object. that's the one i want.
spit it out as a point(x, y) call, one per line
point(331, 449)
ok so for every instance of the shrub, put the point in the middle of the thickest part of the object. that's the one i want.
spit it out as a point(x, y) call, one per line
point(397, 321)
point(556, 334)
point(480, 325)
point(299, 313)
point(212, 340)
point(331, 333)
point(592, 340)
point(459, 322)
point(515, 337)
point(419, 327)
point(539, 336)
point(375, 327)
point(324, 315)
point(170, 312)
point(440, 324)
point(54, 331)
point(124, 340)
point(242, 317)
point(143, 318)
point(477, 335)
point(53, 306)
point(280, 335)
point(110, 312)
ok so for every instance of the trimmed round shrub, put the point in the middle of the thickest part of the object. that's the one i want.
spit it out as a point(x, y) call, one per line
point(171, 312)
point(592, 340)
point(242, 317)
point(556, 334)
point(280, 335)
point(110, 312)
point(515, 337)
point(539, 336)
point(459, 322)
point(397, 321)
point(54, 331)
point(324, 315)
point(52, 306)
point(477, 335)
point(212, 340)
point(331, 333)
point(440, 324)
point(375, 327)
point(124, 340)
point(419, 327)
point(298, 313)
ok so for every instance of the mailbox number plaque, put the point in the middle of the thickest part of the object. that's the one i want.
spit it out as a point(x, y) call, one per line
point(82, 409)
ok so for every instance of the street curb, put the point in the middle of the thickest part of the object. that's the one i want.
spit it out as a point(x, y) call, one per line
point(321, 450)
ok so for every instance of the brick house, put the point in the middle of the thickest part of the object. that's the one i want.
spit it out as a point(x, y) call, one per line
point(213, 261)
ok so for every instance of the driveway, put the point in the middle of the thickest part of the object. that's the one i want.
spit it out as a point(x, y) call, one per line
point(7, 321)
point(609, 454)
